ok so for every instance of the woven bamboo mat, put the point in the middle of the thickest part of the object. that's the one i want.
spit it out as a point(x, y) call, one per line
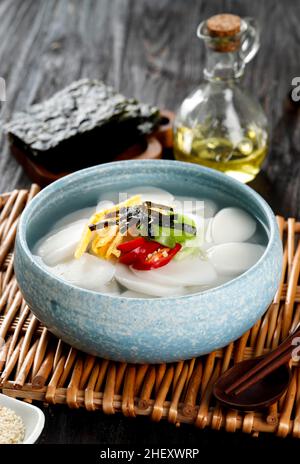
point(34, 365)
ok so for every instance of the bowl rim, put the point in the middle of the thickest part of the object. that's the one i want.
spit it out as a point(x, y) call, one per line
point(269, 215)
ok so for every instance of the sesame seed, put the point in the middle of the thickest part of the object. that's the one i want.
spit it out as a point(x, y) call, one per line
point(12, 428)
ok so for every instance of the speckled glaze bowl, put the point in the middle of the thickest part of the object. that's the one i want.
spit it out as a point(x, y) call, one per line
point(145, 330)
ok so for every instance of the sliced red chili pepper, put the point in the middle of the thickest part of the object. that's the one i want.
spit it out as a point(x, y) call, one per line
point(158, 258)
point(140, 252)
point(132, 244)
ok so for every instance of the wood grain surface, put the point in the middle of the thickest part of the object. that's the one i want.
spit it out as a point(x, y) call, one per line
point(147, 49)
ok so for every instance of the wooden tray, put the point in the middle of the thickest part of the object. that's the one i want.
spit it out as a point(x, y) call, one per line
point(148, 147)
point(35, 365)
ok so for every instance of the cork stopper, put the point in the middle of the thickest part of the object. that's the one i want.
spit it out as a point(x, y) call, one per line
point(225, 28)
point(223, 25)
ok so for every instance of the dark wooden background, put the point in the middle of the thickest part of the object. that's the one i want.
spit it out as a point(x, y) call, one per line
point(148, 49)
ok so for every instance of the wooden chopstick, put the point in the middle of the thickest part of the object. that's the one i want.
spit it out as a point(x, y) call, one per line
point(266, 370)
point(270, 359)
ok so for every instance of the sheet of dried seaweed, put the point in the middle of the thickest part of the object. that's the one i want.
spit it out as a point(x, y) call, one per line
point(84, 124)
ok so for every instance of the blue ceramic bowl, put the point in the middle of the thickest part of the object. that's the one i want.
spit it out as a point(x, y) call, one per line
point(145, 330)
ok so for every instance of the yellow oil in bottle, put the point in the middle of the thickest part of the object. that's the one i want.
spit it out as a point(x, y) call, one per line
point(241, 160)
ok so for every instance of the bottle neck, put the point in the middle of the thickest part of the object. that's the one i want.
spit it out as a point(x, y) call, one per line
point(223, 66)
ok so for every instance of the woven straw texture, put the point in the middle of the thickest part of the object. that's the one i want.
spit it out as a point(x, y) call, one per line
point(35, 365)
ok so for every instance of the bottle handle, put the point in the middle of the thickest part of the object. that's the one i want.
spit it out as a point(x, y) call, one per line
point(250, 40)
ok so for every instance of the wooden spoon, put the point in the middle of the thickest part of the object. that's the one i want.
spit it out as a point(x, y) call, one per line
point(259, 382)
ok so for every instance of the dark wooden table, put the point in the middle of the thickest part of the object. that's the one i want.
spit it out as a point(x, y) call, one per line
point(148, 49)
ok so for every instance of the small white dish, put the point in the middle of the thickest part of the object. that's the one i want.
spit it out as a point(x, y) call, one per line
point(33, 417)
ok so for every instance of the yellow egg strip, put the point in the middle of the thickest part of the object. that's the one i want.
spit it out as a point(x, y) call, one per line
point(88, 234)
point(102, 240)
point(112, 249)
point(84, 242)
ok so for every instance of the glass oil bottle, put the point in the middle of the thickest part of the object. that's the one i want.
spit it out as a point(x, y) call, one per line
point(219, 125)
